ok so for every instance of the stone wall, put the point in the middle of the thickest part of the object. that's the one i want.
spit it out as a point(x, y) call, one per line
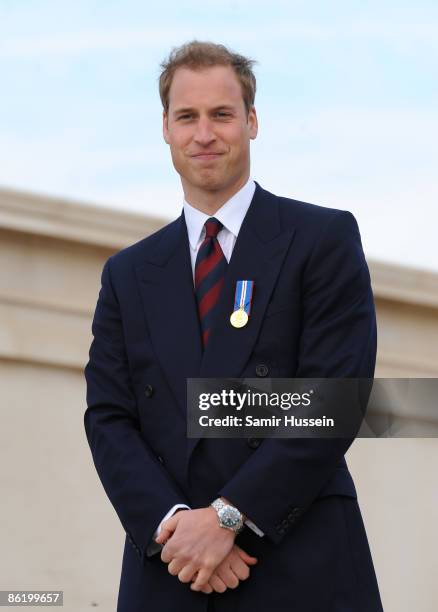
point(58, 529)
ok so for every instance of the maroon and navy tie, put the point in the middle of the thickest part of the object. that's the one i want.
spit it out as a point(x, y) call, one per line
point(210, 269)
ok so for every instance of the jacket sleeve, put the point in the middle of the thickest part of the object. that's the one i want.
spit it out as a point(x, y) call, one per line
point(138, 486)
point(338, 339)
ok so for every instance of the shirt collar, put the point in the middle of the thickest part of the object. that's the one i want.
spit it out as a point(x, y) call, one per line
point(230, 214)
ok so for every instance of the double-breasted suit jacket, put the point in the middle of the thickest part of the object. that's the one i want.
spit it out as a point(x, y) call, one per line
point(312, 315)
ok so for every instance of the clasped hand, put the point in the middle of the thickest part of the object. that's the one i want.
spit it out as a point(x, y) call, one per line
point(197, 549)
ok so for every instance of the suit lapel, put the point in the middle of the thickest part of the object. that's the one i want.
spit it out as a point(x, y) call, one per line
point(166, 287)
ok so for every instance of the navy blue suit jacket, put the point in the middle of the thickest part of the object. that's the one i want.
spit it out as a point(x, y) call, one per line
point(312, 316)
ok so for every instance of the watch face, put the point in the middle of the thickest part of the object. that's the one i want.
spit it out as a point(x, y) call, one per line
point(229, 516)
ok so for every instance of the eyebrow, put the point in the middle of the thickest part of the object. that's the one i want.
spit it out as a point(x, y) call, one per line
point(180, 111)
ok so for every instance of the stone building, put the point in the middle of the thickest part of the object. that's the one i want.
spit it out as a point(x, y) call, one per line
point(58, 530)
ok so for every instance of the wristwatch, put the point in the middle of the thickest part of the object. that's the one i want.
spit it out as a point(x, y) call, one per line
point(229, 516)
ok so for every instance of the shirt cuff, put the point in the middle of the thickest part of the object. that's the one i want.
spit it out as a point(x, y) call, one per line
point(251, 525)
point(168, 515)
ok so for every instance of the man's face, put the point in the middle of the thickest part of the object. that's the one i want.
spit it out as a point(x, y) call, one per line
point(208, 129)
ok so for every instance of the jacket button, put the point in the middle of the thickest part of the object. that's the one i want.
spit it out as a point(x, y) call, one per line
point(160, 459)
point(253, 442)
point(149, 390)
point(262, 369)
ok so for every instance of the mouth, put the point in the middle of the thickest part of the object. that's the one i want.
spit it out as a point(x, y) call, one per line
point(206, 156)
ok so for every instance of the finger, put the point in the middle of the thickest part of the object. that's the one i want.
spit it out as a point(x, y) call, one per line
point(202, 578)
point(163, 536)
point(175, 567)
point(186, 573)
point(227, 576)
point(166, 553)
point(171, 522)
point(245, 556)
point(217, 583)
point(240, 568)
point(206, 588)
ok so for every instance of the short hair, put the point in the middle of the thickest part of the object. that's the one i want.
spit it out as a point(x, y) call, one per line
point(196, 55)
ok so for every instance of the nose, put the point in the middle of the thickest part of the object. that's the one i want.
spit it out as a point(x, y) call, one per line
point(204, 134)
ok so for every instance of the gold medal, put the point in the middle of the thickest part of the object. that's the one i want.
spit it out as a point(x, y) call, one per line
point(239, 318)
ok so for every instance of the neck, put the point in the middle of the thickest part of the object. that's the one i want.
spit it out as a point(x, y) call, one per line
point(209, 202)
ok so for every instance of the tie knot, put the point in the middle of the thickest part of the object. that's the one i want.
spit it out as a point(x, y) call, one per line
point(212, 227)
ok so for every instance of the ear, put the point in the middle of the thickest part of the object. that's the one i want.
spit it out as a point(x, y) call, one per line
point(253, 123)
point(165, 130)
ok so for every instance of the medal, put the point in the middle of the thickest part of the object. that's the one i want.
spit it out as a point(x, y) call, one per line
point(242, 303)
point(239, 318)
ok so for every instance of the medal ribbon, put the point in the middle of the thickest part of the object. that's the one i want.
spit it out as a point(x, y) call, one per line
point(243, 295)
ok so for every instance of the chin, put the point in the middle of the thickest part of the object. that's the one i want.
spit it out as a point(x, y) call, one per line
point(208, 181)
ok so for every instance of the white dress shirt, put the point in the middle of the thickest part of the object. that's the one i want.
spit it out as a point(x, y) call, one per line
point(231, 215)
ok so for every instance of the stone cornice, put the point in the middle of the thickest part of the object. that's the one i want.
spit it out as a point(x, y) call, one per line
point(114, 229)
point(75, 221)
point(404, 284)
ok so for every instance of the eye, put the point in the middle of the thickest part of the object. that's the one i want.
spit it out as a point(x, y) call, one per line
point(186, 116)
point(223, 114)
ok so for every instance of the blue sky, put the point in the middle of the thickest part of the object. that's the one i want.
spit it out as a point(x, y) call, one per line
point(347, 103)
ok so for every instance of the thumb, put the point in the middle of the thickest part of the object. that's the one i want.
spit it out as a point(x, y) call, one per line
point(167, 528)
point(245, 556)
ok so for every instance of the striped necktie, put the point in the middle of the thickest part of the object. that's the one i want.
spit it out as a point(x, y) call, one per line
point(210, 269)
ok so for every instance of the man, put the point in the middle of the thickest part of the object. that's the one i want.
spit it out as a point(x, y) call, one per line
point(292, 536)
